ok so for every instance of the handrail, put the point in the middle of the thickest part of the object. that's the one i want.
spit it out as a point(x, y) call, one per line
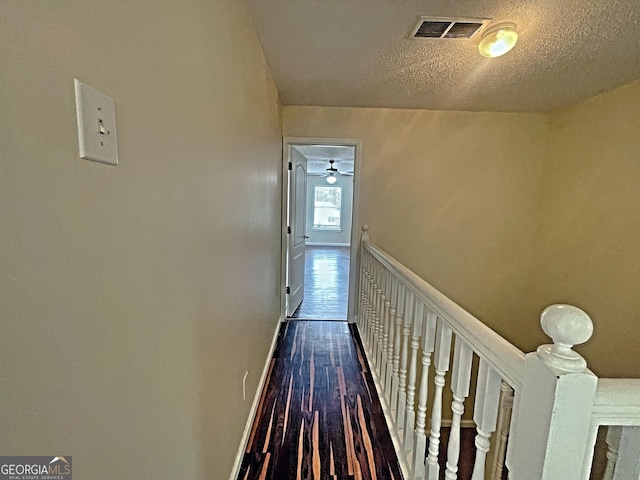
point(561, 404)
point(617, 402)
point(504, 357)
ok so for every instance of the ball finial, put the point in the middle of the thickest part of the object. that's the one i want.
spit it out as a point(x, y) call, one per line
point(365, 233)
point(567, 326)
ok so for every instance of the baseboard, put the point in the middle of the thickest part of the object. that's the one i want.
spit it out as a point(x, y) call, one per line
point(254, 406)
point(325, 244)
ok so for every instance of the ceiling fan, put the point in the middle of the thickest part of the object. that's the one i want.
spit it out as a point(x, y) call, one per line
point(332, 173)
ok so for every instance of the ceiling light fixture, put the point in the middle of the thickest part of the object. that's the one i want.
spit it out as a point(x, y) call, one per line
point(331, 173)
point(498, 39)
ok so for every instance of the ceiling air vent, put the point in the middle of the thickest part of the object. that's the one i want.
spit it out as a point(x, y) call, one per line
point(430, 27)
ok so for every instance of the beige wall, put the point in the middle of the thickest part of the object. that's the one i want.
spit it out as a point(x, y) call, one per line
point(134, 298)
point(589, 241)
point(452, 195)
point(509, 213)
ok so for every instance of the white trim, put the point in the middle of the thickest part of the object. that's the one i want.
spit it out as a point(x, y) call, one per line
point(355, 226)
point(235, 470)
point(327, 244)
point(284, 244)
point(617, 402)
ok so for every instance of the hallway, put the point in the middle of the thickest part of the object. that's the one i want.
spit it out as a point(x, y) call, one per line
point(319, 416)
point(326, 284)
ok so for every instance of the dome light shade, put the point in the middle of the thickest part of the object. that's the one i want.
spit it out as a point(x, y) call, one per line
point(498, 40)
point(331, 179)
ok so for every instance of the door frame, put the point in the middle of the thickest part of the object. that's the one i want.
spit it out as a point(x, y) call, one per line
point(355, 226)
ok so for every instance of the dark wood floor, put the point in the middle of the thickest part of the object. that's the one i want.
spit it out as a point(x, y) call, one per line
point(326, 284)
point(319, 416)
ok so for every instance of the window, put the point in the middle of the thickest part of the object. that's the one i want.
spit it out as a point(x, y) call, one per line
point(327, 208)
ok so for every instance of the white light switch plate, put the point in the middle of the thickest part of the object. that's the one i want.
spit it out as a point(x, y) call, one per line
point(96, 114)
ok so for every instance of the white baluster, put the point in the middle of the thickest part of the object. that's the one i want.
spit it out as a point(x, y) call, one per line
point(397, 339)
point(392, 329)
point(366, 284)
point(372, 304)
point(613, 443)
point(591, 444)
point(627, 464)
point(360, 278)
point(379, 317)
point(420, 438)
point(363, 293)
point(376, 313)
point(367, 300)
point(368, 308)
point(485, 414)
point(441, 364)
point(363, 238)
point(504, 422)
point(387, 335)
point(404, 358)
point(385, 326)
point(410, 414)
point(461, 376)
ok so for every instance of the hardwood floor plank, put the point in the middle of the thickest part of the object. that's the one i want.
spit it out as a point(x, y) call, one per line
point(317, 413)
point(326, 284)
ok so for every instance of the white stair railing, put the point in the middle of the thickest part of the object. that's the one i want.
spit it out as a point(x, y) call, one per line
point(543, 410)
point(617, 407)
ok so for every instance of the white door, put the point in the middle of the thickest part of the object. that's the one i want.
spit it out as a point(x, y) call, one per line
point(297, 229)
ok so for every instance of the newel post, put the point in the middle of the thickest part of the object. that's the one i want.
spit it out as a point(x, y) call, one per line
point(359, 314)
point(552, 412)
point(365, 233)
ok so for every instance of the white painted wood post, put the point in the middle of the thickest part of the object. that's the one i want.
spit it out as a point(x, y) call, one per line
point(627, 465)
point(365, 234)
point(460, 379)
point(383, 280)
point(420, 439)
point(485, 414)
point(362, 279)
point(376, 313)
point(552, 412)
point(366, 258)
point(386, 292)
point(404, 359)
point(392, 331)
point(613, 443)
point(504, 422)
point(410, 413)
point(441, 364)
point(379, 319)
point(397, 338)
point(371, 310)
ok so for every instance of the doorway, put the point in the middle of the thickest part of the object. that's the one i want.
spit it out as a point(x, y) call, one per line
point(320, 214)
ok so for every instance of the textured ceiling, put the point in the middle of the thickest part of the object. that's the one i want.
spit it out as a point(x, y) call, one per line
point(318, 157)
point(357, 53)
